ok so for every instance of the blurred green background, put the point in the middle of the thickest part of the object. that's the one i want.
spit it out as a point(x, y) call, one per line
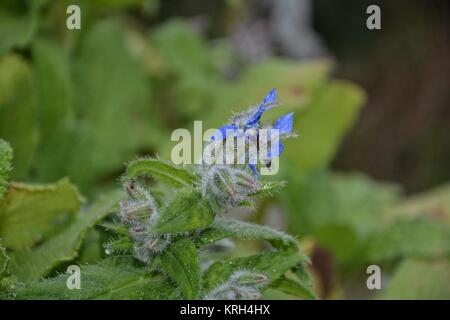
point(367, 176)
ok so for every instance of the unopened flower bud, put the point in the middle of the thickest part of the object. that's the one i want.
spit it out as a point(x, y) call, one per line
point(252, 279)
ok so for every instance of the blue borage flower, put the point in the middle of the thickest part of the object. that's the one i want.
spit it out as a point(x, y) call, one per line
point(248, 123)
point(249, 119)
point(268, 102)
point(284, 126)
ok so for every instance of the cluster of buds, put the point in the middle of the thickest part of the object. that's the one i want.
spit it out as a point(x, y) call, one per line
point(139, 212)
point(242, 285)
point(226, 186)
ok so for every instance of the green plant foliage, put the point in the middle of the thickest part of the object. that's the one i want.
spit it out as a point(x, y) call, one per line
point(18, 23)
point(269, 188)
point(54, 100)
point(165, 232)
point(341, 211)
point(294, 288)
point(330, 113)
point(223, 228)
point(434, 203)
point(175, 254)
point(181, 262)
point(108, 279)
point(420, 279)
point(75, 113)
point(4, 260)
point(91, 249)
point(27, 212)
point(18, 111)
point(273, 264)
point(6, 156)
point(186, 212)
point(35, 263)
point(81, 103)
point(186, 59)
point(108, 105)
point(162, 171)
point(361, 221)
point(410, 238)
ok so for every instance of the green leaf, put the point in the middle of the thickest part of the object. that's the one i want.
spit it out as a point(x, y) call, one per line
point(224, 228)
point(341, 211)
point(160, 170)
point(274, 264)
point(323, 124)
point(117, 228)
point(319, 198)
point(54, 100)
point(27, 212)
point(4, 260)
point(418, 279)
point(108, 279)
point(18, 22)
point(181, 263)
point(186, 212)
point(119, 4)
point(269, 188)
point(434, 203)
point(176, 35)
point(119, 245)
point(31, 264)
point(91, 249)
point(18, 123)
point(294, 288)
point(111, 103)
point(343, 241)
point(6, 156)
point(186, 60)
point(410, 238)
point(303, 274)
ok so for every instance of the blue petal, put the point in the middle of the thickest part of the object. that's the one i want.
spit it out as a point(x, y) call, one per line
point(285, 123)
point(253, 168)
point(276, 153)
point(256, 117)
point(269, 99)
point(222, 131)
